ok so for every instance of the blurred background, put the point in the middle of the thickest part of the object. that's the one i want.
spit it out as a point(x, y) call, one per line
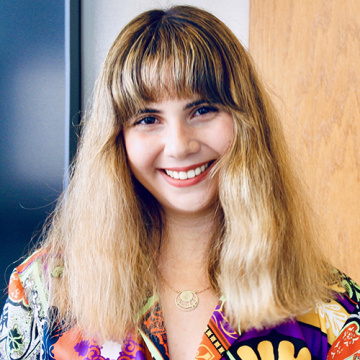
point(32, 113)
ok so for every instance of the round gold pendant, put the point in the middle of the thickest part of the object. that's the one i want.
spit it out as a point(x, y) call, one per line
point(186, 300)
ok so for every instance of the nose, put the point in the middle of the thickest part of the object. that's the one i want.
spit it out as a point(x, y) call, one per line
point(181, 141)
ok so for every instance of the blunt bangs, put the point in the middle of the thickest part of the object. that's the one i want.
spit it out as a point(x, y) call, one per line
point(170, 54)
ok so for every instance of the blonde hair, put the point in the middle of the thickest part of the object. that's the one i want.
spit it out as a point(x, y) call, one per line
point(105, 230)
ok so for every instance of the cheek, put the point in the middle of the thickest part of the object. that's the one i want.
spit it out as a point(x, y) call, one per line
point(139, 153)
point(225, 137)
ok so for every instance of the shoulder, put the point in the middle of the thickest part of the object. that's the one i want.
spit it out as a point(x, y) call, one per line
point(25, 310)
point(29, 278)
point(346, 345)
point(332, 319)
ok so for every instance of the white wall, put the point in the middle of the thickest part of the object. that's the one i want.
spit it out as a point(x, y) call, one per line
point(102, 20)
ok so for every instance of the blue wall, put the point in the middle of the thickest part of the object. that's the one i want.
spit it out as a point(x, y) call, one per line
point(32, 78)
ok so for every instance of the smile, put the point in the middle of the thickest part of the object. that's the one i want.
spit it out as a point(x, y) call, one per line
point(184, 175)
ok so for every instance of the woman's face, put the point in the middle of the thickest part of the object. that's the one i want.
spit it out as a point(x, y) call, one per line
point(172, 144)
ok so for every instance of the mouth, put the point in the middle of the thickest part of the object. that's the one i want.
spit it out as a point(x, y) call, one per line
point(190, 173)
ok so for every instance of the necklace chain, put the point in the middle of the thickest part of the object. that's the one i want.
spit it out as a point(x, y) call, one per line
point(185, 300)
point(179, 291)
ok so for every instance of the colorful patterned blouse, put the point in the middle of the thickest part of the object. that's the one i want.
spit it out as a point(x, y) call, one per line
point(330, 331)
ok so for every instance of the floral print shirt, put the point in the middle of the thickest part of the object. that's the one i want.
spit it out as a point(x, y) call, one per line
point(330, 331)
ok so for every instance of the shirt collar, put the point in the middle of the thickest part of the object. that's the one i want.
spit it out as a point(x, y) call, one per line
point(219, 335)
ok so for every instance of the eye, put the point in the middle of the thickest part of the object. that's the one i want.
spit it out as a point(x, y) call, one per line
point(203, 110)
point(148, 120)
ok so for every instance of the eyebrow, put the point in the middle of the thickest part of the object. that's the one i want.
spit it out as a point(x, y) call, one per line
point(195, 103)
point(148, 110)
point(186, 107)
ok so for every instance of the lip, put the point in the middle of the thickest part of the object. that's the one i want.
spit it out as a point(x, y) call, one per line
point(188, 182)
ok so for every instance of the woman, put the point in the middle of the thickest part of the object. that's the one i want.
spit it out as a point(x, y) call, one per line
point(181, 201)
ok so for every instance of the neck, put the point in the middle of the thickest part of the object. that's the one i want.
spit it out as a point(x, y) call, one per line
point(184, 248)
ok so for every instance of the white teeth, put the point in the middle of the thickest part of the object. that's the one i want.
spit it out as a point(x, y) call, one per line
point(190, 174)
point(182, 175)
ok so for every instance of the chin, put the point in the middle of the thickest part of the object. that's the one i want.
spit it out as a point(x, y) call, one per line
point(192, 208)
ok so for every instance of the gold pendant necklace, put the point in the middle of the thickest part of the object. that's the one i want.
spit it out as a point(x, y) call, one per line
point(185, 300)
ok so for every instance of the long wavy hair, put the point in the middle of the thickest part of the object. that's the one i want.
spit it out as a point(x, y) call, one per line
point(265, 257)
